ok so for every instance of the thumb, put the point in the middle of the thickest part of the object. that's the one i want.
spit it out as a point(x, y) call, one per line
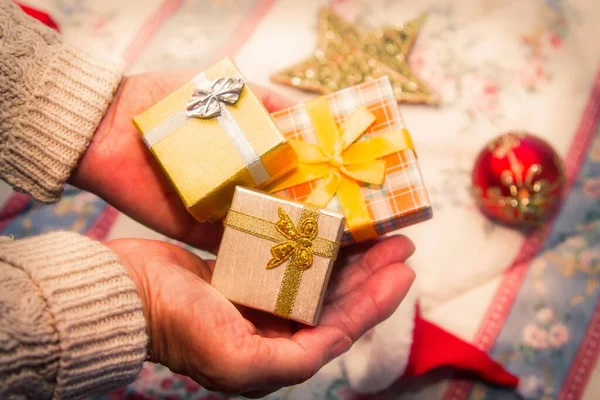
point(272, 100)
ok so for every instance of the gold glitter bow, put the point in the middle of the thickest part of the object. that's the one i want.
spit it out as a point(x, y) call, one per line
point(296, 243)
point(298, 247)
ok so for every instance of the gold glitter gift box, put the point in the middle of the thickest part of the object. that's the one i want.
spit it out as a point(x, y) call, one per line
point(211, 135)
point(277, 255)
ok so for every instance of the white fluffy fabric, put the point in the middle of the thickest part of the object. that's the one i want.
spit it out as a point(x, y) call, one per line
point(380, 357)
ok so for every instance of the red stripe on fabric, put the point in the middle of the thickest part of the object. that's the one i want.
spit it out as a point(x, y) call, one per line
point(148, 30)
point(246, 28)
point(13, 207)
point(584, 362)
point(102, 225)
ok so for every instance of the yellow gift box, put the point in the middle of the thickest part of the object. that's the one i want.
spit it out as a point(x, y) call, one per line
point(214, 134)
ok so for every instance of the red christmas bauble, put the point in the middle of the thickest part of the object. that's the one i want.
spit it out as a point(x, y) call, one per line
point(518, 179)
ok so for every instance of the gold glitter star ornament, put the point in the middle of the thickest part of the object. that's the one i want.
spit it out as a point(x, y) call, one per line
point(347, 55)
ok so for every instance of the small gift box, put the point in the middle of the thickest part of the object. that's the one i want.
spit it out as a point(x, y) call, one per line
point(212, 134)
point(276, 255)
point(355, 156)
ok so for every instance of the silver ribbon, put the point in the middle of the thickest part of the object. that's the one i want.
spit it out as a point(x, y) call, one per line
point(209, 100)
point(207, 103)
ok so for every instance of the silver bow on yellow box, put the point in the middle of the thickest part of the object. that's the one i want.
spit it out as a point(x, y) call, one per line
point(206, 103)
point(209, 100)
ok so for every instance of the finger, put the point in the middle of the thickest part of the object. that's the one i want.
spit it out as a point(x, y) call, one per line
point(272, 100)
point(351, 254)
point(267, 325)
point(203, 235)
point(283, 362)
point(370, 303)
point(394, 249)
point(279, 362)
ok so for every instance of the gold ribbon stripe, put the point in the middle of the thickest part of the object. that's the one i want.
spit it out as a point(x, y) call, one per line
point(266, 230)
point(290, 284)
point(292, 276)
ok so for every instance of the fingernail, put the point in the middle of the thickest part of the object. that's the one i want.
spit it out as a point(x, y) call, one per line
point(340, 347)
point(412, 272)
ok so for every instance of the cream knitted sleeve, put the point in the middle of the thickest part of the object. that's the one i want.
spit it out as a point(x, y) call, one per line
point(71, 322)
point(53, 97)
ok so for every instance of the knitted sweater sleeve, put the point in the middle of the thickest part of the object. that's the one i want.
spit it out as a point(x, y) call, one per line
point(71, 322)
point(53, 97)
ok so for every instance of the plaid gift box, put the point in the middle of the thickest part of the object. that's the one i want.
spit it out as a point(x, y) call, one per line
point(402, 199)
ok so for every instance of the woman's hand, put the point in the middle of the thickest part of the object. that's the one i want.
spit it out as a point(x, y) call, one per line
point(195, 331)
point(119, 168)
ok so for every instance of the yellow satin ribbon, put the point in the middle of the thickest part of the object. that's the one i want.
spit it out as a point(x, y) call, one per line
point(342, 163)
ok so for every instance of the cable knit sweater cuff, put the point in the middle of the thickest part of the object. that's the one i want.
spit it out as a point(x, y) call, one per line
point(97, 313)
point(58, 122)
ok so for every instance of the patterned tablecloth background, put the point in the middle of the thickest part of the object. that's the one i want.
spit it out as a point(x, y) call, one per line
point(532, 301)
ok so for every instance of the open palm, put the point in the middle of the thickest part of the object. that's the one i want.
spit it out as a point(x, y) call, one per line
point(195, 331)
point(120, 169)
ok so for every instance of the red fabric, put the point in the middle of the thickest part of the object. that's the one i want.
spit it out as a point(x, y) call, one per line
point(434, 347)
point(41, 16)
